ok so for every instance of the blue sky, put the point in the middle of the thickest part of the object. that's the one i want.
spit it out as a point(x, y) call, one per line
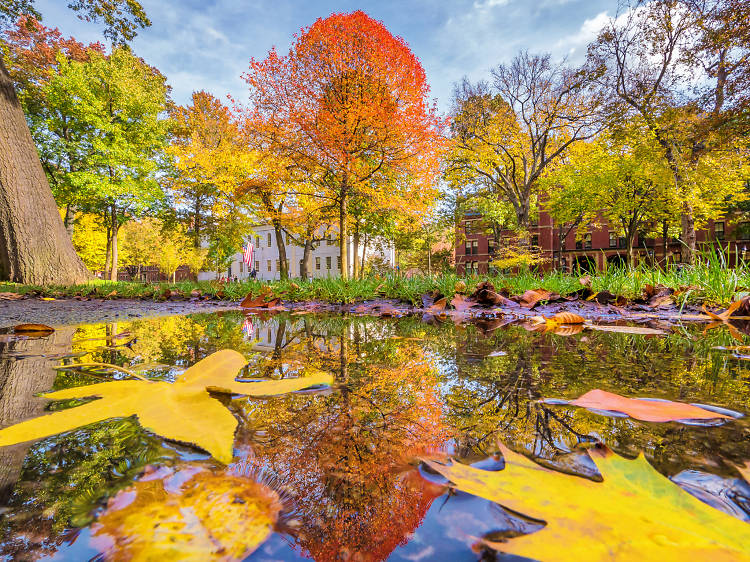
point(206, 44)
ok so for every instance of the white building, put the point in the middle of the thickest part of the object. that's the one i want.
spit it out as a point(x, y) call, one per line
point(325, 260)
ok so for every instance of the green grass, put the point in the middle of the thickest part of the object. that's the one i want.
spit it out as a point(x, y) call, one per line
point(709, 281)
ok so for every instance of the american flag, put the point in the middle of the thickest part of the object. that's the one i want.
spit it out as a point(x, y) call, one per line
point(247, 253)
point(247, 328)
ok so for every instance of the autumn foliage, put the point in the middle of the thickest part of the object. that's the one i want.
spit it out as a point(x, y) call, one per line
point(348, 106)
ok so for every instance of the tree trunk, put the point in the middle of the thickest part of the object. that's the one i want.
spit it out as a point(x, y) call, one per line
point(343, 236)
point(688, 234)
point(305, 271)
point(631, 254)
point(355, 249)
point(70, 215)
point(279, 232)
point(664, 244)
point(34, 246)
point(21, 380)
point(363, 258)
point(115, 229)
point(108, 253)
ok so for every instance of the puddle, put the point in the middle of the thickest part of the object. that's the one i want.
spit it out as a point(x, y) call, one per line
point(340, 464)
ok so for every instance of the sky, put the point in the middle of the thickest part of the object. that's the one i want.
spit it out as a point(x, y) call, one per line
point(206, 44)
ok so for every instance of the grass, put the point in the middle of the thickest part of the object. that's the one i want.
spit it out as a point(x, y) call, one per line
point(706, 282)
point(709, 281)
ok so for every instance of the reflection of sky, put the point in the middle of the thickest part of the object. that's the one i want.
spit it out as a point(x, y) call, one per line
point(206, 44)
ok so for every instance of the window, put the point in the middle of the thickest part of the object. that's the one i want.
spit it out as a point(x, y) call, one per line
point(719, 230)
point(317, 263)
point(587, 241)
point(268, 239)
point(329, 240)
point(242, 267)
point(268, 265)
point(257, 265)
point(328, 262)
point(491, 246)
point(475, 246)
point(743, 231)
point(535, 241)
point(257, 241)
point(612, 239)
point(278, 265)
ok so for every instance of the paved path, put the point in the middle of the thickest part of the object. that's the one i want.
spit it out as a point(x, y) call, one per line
point(70, 311)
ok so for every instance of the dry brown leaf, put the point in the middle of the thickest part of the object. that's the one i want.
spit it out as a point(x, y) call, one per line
point(33, 330)
point(585, 281)
point(531, 297)
point(568, 318)
point(10, 296)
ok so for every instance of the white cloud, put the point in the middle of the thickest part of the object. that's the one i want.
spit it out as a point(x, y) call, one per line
point(576, 43)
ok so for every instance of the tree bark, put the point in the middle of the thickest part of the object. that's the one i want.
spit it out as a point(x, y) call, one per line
point(355, 250)
point(364, 256)
point(343, 235)
point(279, 233)
point(108, 254)
point(21, 380)
point(115, 229)
point(306, 259)
point(688, 234)
point(34, 245)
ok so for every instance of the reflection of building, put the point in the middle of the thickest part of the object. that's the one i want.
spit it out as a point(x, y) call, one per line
point(324, 260)
point(476, 247)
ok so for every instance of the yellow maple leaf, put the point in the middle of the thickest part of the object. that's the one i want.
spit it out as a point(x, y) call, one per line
point(182, 411)
point(634, 514)
point(211, 516)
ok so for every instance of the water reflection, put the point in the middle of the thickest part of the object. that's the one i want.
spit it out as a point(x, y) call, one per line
point(345, 461)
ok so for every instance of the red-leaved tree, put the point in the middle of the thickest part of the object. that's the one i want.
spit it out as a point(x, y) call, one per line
point(348, 106)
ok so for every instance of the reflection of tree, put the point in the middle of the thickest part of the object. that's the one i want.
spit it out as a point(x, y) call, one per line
point(493, 398)
point(344, 457)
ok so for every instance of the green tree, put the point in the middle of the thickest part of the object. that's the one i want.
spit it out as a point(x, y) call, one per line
point(114, 103)
point(34, 246)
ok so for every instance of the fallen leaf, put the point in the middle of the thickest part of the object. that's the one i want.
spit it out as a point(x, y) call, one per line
point(459, 287)
point(33, 330)
point(635, 513)
point(46, 299)
point(196, 293)
point(10, 296)
point(585, 281)
point(182, 411)
point(258, 302)
point(209, 516)
point(643, 409)
point(568, 318)
point(531, 297)
point(638, 330)
point(723, 316)
point(438, 305)
point(462, 303)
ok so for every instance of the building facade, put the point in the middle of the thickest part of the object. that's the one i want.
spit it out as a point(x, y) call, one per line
point(596, 248)
point(325, 257)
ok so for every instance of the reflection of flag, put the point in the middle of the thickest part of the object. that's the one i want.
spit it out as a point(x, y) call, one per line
point(247, 253)
point(247, 328)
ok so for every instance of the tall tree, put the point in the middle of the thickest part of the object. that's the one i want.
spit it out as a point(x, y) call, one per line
point(115, 105)
point(504, 135)
point(34, 245)
point(682, 66)
point(348, 104)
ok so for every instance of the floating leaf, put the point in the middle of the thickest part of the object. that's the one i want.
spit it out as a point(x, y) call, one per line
point(644, 409)
point(462, 303)
point(634, 514)
point(211, 516)
point(723, 316)
point(33, 330)
point(258, 302)
point(439, 305)
point(183, 411)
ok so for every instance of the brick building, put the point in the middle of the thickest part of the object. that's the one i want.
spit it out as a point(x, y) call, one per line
point(475, 248)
